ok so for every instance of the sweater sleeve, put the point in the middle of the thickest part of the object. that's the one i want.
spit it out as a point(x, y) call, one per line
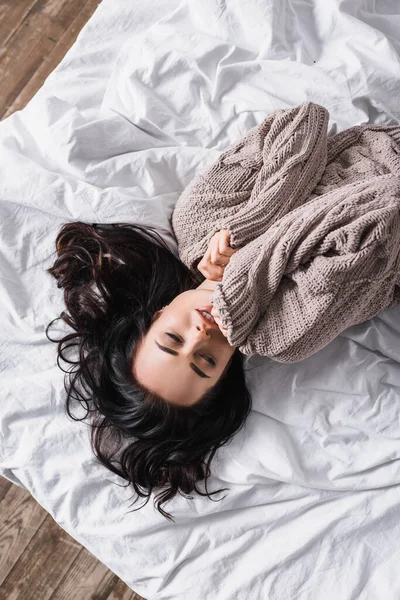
point(330, 264)
point(292, 161)
point(264, 175)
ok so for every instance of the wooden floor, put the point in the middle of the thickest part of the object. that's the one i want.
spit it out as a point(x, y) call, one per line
point(38, 559)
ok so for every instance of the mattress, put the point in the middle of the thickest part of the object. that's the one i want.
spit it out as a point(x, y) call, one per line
point(147, 97)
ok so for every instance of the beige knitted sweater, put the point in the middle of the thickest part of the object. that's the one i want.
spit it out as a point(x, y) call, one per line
point(317, 220)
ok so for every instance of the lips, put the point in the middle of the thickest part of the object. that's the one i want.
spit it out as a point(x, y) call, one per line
point(209, 323)
point(206, 308)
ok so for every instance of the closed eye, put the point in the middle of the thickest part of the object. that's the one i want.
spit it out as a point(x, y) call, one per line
point(209, 359)
point(171, 335)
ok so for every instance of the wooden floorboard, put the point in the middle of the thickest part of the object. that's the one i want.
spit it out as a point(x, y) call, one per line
point(36, 46)
point(11, 16)
point(41, 561)
point(60, 47)
point(38, 559)
point(21, 518)
point(4, 487)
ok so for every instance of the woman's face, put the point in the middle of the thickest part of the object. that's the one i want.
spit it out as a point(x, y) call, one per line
point(182, 356)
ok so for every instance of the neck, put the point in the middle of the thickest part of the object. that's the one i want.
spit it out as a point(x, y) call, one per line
point(207, 284)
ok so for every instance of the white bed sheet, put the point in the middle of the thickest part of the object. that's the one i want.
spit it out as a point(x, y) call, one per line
point(147, 97)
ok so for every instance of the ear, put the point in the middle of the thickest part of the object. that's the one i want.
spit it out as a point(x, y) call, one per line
point(156, 315)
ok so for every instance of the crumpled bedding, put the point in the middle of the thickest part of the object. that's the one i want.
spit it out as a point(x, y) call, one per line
point(150, 95)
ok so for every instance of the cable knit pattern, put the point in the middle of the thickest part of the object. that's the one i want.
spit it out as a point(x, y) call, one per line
point(317, 220)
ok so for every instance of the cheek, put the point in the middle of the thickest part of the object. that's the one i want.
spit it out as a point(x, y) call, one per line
point(191, 298)
point(225, 352)
point(181, 307)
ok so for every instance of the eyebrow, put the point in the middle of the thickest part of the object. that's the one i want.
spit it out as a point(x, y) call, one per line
point(175, 353)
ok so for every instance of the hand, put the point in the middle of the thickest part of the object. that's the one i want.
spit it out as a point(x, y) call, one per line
point(215, 314)
point(217, 257)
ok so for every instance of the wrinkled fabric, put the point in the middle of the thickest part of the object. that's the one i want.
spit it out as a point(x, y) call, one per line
point(149, 96)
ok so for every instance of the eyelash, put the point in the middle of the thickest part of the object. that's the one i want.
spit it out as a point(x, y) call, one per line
point(210, 360)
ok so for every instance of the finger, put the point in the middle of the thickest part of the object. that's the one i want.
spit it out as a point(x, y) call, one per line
point(215, 271)
point(219, 259)
point(215, 256)
point(210, 272)
point(214, 312)
point(224, 250)
point(216, 275)
point(223, 243)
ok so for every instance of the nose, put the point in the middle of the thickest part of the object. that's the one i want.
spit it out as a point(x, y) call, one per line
point(198, 338)
point(201, 330)
point(199, 335)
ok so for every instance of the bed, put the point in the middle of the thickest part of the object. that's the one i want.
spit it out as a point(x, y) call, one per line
point(147, 97)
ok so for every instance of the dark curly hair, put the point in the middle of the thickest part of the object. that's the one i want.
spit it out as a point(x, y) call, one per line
point(115, 277)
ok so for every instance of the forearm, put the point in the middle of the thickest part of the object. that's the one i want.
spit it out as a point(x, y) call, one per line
point(327, 265)
point(265, 174)
point(294, 156)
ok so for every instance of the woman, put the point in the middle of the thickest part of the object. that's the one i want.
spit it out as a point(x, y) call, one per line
point(174, 416)
point(298, 236)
